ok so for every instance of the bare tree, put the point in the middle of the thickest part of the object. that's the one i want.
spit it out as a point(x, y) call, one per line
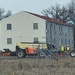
point(56, 12)
point(62, 13)
point(3, 14)
point(52, 11)
point(71, 11)
point(9, 13)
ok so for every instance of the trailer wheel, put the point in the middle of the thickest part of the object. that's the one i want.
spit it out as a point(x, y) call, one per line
point(21, 54)
point(72, 54)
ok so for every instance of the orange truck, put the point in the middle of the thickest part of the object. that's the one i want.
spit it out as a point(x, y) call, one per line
point(28, 48)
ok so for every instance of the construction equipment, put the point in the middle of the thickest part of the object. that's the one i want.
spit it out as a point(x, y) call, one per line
point(24, 49)
point(28, 48)
point(72, 53)
point(49, 53)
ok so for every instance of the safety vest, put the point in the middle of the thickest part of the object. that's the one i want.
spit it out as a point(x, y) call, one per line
point(68, 48)
point(62, 48)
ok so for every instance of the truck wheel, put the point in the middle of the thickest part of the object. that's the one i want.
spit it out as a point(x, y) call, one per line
point(72, 54)
point(21, 54)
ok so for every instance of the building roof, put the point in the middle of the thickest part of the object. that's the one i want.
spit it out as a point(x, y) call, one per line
point(50, 19)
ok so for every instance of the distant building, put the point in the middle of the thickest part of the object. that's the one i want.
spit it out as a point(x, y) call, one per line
point(29, 27)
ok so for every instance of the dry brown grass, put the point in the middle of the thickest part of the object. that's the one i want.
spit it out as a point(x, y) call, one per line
point(65, 66)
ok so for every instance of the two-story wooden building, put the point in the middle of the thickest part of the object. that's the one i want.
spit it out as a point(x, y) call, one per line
point(29, 27)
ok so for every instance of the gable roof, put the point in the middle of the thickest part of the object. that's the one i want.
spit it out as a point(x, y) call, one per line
point(50, 19)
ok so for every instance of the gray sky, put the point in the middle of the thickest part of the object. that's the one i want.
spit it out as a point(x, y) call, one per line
point(35, 6)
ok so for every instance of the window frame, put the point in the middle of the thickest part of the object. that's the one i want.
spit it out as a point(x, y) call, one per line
point(35, 39)
point(9, 26)
point(60, 28)
point(35, 26)
point(9, 41)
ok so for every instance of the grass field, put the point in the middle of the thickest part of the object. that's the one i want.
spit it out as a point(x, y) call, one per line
point(35, 66)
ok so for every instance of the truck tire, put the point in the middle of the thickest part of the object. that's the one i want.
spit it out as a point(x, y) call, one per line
point(72, 54)
point(21, 54)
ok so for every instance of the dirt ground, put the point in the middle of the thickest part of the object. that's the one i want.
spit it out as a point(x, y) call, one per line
point(36, 66)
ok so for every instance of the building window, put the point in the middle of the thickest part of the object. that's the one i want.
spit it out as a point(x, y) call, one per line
point(54, 41)
point(65, 41)
point(68, 30)
point(35, 26)
point(35, 39)
point(9, 27)
point(9, 40)
point(60, 28)
point(61, 41)
point(54, 27)
point(69, 41)
point(51, 31)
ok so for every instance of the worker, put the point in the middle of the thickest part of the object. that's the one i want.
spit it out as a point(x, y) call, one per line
point(62, 48)
point(68, 48)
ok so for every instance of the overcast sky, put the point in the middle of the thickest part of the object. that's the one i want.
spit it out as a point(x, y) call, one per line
point(35, 6)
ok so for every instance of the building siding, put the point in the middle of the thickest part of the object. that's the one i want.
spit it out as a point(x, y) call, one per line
point(22, 29)
point(59, 35)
